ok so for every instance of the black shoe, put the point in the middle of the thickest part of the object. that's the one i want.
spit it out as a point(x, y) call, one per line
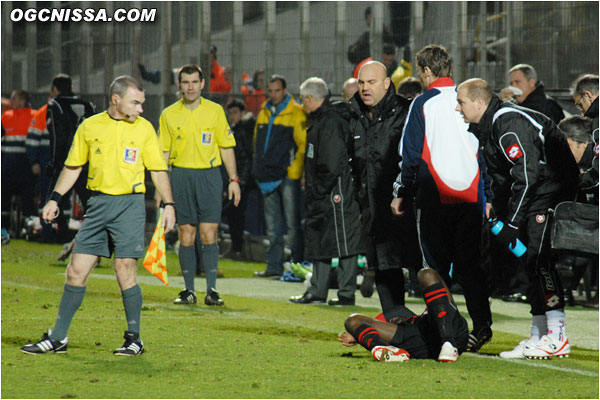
point(186, 297)
point(212, 298)
point(66, 250)
point(307, 298)
point(46, 345)
point(366, 287)
point(133, 345)
point(479, 338)
point(517, 297)
point(342, 301)
point(267, 274)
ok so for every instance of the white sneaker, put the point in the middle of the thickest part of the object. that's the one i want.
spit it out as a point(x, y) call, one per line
point(517, 352)
point(548, 347)
point(389, 354)
point(448, 353)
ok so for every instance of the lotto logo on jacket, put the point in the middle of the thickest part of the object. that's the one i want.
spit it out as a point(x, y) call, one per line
point(513, 152)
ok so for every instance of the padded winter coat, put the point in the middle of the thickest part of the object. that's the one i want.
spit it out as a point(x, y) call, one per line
point(332, 213)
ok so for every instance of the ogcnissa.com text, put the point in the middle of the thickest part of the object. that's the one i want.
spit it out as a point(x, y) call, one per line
point(83, 15)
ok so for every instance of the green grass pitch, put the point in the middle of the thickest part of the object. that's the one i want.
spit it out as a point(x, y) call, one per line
point(255, 347)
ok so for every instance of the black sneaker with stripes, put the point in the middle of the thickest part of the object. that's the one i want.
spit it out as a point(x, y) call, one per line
point(478, 338)
point(133, 345)
point(212, 298)
point(46, 345)
point(186, 297)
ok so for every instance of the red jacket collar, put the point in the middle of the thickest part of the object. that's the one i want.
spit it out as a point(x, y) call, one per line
point(441, 82)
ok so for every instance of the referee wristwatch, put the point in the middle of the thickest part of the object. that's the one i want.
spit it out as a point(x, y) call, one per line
point(169, 203)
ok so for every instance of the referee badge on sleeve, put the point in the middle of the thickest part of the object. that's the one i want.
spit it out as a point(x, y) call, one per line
point(130, 155)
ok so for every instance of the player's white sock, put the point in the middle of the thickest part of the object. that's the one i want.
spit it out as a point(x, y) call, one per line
point(557, 321)
point(538, 328)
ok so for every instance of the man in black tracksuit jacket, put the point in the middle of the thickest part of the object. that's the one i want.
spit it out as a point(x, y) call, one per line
point(332, 214)
point(532, 170)
point(585, 96)
point(539, 101)
point(65, 112)
point(589, 177)
point(524, 77)
point(376, 128)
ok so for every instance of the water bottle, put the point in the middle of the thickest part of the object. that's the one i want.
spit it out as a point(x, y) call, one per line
point(361, 261)
point(518, 249)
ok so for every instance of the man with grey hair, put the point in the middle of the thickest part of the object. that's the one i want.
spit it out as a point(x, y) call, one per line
point(332, 214)
point(116, 213)
point(577, 131)
point(585, 95)
point(585, 92)
point(350, 87)
point(529, 92)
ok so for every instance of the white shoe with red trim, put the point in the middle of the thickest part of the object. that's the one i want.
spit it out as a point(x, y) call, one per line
point(548, 347)
point(389, 354)
point(448, 353)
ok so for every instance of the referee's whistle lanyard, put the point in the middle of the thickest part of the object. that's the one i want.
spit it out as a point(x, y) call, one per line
point(275, 110)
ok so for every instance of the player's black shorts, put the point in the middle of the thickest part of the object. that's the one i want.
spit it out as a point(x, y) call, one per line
point(419, 335)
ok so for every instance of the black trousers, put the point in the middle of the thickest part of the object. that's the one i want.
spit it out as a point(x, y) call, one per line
point(346, 277)
point(84, 194)
point(451, 238)
point(545, 289)
point(236, 219)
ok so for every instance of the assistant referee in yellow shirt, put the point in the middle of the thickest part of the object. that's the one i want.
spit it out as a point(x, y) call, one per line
point(196, 139)
point(119, 145)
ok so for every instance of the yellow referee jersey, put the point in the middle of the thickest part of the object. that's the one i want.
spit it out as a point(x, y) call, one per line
point(117, 152)
point(193, 137)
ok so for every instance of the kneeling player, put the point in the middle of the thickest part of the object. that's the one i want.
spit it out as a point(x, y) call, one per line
point(439, 333)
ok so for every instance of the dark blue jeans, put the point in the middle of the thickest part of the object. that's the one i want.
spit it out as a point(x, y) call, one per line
point(282, 203)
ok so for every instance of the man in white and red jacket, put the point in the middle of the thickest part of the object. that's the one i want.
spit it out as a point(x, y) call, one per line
point(440, 168)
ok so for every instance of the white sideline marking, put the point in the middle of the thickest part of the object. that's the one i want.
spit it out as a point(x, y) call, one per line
point(537, 364)
point(24, 285)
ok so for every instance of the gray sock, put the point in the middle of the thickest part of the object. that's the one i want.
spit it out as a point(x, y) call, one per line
point(187, 260)
point(132, 301)
point(198, 248)
point(210, 259)
point(69, 303)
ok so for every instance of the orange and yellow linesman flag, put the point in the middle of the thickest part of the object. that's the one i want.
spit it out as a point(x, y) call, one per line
point(155, 260)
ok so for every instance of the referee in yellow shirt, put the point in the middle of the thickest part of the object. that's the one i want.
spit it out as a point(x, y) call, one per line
point(196, 139)
point(119, 145)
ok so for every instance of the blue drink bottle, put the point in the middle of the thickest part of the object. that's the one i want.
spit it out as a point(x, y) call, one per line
point(518, 249)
